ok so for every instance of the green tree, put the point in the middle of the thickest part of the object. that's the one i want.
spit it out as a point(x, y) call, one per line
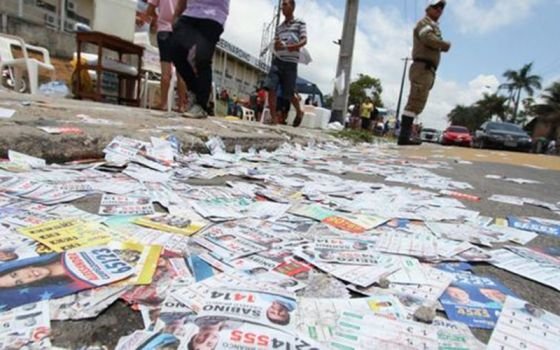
point(518, 82)
point(550, 109)
point(492, 105)
point(328, 100)
point(470, 117)
point(359, 90)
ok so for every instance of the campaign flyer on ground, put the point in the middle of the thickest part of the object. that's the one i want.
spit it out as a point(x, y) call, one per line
point(171, 223)
point(59, 274)
point(474, 300)
point(66, 234)
point(26, 327)
point(546, 227)
point(267, 309)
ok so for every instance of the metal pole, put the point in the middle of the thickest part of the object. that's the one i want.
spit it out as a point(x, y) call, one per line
point(20, 8)
point(340, 100)
point(62, 15)
point(406, 59)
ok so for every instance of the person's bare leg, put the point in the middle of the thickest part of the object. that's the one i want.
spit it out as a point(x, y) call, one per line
point(182, 92)
point(164, 84)
point(299, 112)
point(272, 106)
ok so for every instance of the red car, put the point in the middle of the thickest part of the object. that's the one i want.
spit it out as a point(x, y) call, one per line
point(456, 135)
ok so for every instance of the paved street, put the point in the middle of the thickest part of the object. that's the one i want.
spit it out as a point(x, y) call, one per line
point(119, 320)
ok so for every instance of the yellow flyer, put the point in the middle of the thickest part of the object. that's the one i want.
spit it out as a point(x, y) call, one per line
point(171, 223)
point(143, 258)
point(66, 234)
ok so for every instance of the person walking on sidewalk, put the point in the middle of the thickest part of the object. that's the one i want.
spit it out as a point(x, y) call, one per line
point(426, 54)
point(165, 10)
point(197, 30)
point(291, 36)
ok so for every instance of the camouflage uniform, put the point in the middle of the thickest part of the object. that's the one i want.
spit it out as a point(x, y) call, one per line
point(426, 54)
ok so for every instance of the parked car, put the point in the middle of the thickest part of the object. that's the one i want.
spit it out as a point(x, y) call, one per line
point(502, 135)
point(456, 135)
point(429, 135)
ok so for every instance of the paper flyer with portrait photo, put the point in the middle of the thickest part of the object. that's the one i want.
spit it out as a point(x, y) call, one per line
point(26, 327)
point(223, 242)
point(14, 246)
point(195, 295)
point(345, 251)
point(267, 309)
point(58, 274)
point(66, 234)
point(529, 263)
point(523, 325)
point(474, 300)
point(224, 333)
point(184, 225)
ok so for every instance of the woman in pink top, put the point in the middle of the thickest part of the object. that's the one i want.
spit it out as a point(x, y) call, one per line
point(164, 15)
point(195, 36)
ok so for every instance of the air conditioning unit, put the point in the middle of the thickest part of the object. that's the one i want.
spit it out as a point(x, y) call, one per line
point(71, 6)
point(51, 21)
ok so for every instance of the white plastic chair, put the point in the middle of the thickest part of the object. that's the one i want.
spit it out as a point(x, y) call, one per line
point(248, 114)
point(18, 66)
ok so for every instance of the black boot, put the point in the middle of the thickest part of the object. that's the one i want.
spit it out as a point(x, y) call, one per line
point(406, 131)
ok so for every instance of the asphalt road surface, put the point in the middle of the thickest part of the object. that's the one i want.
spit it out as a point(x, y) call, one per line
point(120, 320)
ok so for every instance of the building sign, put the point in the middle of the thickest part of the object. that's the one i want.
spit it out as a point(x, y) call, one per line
point(242, 55)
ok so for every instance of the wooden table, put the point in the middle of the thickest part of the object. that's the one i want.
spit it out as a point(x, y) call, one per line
point(131, 95)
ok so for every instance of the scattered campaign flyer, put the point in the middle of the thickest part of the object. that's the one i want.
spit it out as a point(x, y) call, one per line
point(195, 295)
point(523, 325)
point(267, 309)
point(414, 244)
point(317, 317)
point(529, 263)
point(58, 274)
point(360, 275)
point(474, 300)
point(28, 325)
point(85, 304)
point(363, 331)
point(14, 246)
point(230, 333)
point(30, 161)
point(226, 244)
point(356, 224)
point(144, 259)
point(345, 251)
point(534, 225)
point(184, 225)
point(66, 234)
point(125, 205)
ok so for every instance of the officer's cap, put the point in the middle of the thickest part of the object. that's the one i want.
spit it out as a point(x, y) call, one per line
point(435, 3)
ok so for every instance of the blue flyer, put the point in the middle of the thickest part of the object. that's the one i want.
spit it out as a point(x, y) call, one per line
point(475, 301)
point(55, 275)
point(534, 225)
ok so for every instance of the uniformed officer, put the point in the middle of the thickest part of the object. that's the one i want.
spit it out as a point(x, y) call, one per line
point(426, 54)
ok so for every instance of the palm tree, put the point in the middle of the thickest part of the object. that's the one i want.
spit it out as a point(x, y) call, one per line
point(550, 109)
point(493, 105)
point(519, 81)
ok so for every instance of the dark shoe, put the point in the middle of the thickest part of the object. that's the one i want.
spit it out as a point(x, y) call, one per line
point(406, 130)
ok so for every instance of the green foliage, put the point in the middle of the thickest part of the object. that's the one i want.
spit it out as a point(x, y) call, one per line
point(360, 88)
point(550, 109)
point(476, 114)
point(355, 136)
point(328, 100)
point(518, 82)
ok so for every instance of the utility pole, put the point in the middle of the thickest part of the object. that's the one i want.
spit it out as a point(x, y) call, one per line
point(406, 59)
point(340, 99)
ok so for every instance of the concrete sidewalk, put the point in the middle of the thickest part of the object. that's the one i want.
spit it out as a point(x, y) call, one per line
point(21, 133)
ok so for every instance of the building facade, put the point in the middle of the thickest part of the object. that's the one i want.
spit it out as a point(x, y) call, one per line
point(234, 69)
